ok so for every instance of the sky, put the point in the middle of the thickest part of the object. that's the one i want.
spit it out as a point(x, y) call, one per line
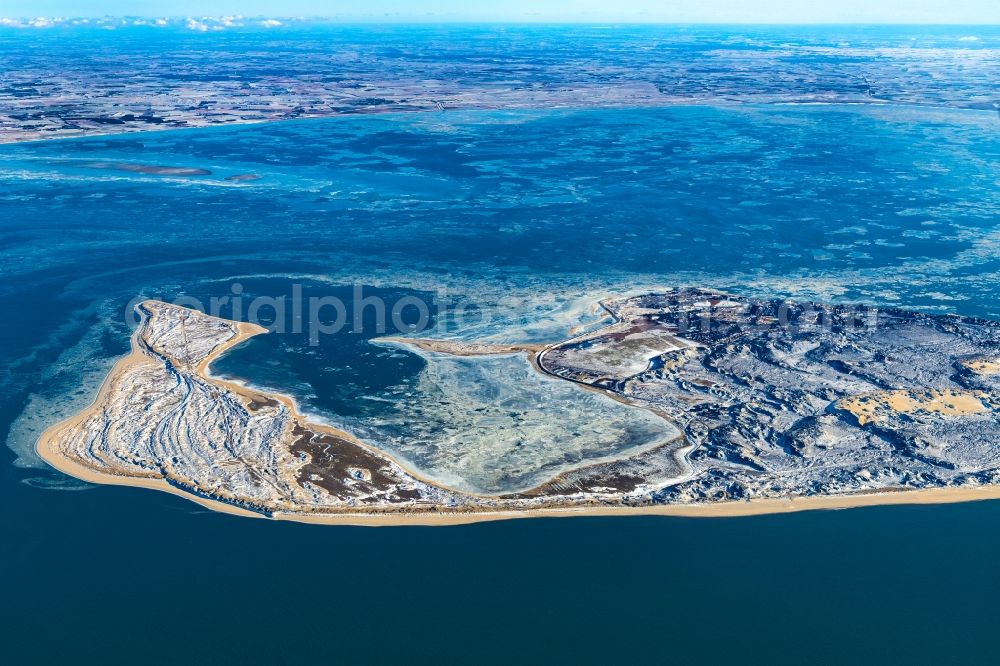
point(679, 11)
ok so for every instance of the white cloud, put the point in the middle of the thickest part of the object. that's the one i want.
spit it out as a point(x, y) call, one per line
point(270, 23)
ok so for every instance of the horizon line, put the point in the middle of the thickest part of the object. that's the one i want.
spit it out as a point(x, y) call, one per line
point(431, 19)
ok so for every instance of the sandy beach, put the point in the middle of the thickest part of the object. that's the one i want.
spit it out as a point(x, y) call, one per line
point(707, 510)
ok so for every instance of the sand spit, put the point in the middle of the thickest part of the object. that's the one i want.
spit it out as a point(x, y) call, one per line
point(724, 509)
point(160, 420)
point(461, 348)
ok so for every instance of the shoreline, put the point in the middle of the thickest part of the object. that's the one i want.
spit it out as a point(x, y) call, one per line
point(729, 509)
point(442, 518)
point(716, 103)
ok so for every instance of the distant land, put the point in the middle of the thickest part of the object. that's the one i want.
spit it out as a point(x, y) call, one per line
point(216, 72)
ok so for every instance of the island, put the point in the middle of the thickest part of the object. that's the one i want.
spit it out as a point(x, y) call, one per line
point(773, 406)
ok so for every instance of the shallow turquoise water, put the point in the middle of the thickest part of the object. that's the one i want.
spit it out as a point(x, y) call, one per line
point(519, 214)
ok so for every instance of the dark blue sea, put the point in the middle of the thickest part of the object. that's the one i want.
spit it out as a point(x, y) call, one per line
point(507, 225)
